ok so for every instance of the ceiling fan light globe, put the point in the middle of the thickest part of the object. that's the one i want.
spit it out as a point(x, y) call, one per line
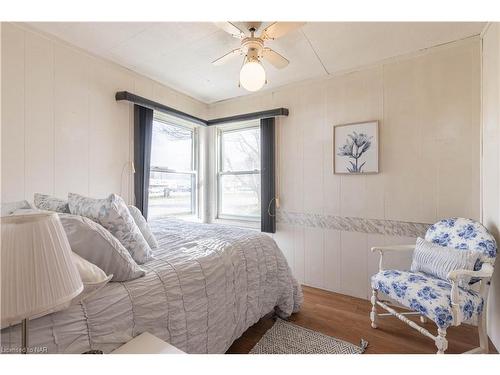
point(252, 76)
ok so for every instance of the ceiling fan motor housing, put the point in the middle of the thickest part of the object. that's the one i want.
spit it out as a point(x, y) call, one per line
point(252, 47)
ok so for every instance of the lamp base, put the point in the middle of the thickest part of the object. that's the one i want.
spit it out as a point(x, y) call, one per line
point(24, 332)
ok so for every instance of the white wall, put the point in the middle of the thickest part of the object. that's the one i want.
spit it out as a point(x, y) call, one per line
point(428, 106)
point(490, 161)
point(0, 109)
point(62, 129)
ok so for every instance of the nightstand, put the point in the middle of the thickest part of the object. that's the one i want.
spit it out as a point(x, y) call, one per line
point(146, 343)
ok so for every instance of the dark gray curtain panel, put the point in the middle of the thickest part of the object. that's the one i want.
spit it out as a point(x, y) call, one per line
point(143, 131)
point(267, 182)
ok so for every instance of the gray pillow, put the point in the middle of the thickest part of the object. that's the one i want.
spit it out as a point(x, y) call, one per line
point(438, 261)
point(95, 244)
point(49, 203)
point(113, 214)
point(9, 207)
point(143, 226)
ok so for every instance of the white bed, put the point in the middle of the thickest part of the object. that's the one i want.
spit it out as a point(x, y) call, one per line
point(205, 287)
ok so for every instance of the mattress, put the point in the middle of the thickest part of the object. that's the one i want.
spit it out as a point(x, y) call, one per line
point(205, 286)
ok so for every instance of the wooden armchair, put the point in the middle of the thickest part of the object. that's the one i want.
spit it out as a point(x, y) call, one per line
point(442, 300)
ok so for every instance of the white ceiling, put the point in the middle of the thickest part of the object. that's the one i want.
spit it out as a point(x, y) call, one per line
point(179, 54)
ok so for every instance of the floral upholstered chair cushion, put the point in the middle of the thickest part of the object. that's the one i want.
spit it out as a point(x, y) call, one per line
point(113, 214)
point(464, 234)
point(427, 295)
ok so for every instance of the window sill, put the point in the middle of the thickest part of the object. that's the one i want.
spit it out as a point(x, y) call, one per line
point(190, 218)
point(239, 223)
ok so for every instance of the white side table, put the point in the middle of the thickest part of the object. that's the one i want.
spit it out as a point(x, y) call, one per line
point(146, 343)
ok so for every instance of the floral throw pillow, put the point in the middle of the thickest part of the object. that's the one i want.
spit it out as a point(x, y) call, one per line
point(49, 203)
point(143, 226)
point(113, 214)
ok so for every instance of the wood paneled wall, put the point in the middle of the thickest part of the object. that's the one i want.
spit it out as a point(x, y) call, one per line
point(428, 105)
point(491, 162)
point(62, 129)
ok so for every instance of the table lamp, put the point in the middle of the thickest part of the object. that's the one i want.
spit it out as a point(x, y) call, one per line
point(38, 274)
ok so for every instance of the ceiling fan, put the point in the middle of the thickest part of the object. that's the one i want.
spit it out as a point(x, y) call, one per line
point(252, 74)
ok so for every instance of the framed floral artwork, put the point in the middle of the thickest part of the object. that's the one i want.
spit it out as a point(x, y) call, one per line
point(355, 148)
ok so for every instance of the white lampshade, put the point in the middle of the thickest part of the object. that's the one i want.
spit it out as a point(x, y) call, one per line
point(252, 75)
point(38, 274)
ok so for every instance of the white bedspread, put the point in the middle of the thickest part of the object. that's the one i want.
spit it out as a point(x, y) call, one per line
point(205, 287)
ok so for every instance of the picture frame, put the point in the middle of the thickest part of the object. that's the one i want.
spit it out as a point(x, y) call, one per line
point(356, 148)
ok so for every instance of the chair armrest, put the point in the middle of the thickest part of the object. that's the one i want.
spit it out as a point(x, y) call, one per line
point(485, 272)
point(395, 248)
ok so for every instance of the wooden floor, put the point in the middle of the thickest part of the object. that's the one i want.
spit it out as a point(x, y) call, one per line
point(347, 318)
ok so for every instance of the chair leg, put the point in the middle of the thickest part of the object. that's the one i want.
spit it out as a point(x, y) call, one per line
point(483, 335)
point(441, 342)
point(373, 313)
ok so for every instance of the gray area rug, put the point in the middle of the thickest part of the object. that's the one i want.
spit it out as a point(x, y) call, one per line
point(287, 338)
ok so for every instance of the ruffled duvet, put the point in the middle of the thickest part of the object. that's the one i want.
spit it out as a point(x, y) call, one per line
point(206, 285)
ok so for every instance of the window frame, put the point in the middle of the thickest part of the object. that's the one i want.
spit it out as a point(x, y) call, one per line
point(221, 130)
point(185, 125)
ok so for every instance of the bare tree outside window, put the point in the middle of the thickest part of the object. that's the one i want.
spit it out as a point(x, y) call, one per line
point(239, 173)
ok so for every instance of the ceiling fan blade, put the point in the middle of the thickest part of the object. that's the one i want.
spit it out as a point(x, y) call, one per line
point(231, 28)
point(278, 29)
point(228, 56)
point(274, 58)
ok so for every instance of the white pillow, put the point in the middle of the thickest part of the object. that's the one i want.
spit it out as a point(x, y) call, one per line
point(96, 244)
point(438, 261)
point(113, 214)
point(143, 226)
point(93, 278)
point(89, 272)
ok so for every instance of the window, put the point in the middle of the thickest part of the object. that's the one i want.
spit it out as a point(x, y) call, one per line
point(238, 180)
point(173, 177)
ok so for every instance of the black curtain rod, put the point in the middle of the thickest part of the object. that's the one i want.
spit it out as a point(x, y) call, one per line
point(139, 100)
point(250, 116)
